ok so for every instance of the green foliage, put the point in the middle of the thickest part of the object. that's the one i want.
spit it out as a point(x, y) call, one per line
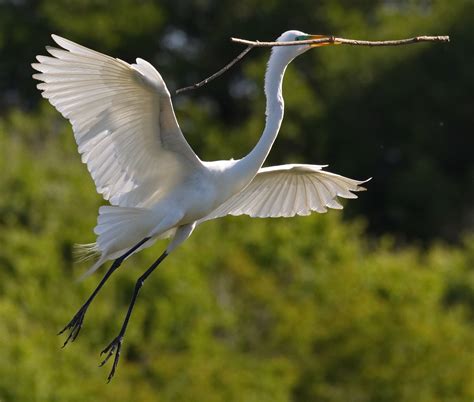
point(306, 309)
point(400, 115)
point(256, 310)
point(125, 20)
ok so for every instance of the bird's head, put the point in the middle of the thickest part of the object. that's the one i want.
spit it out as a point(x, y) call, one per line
point(290, 52)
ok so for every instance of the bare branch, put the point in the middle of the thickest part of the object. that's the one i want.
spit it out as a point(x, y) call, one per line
point(217, 74)
point(343, 41)
point(326, 40)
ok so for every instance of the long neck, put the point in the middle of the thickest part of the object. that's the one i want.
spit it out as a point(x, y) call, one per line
point(249, 165)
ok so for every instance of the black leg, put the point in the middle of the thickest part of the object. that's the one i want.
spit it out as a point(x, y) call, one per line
point(75, 325)
point(116, 344)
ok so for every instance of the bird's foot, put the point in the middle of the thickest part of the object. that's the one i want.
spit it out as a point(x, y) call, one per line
point(113, 347)
point(75, 325)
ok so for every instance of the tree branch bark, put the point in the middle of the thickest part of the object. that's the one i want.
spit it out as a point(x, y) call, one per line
point(327, 40)
point(343, 41)
point(217, 74)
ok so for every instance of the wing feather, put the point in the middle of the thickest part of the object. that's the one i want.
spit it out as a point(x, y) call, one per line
point(289, 190)
point(123, 122)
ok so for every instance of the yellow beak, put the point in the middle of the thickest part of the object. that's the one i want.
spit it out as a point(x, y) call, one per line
point(329, 38)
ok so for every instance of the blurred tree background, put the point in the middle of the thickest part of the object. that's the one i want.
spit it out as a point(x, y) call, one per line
point(378, 307)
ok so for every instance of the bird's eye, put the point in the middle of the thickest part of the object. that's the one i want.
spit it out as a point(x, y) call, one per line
point(302, 37)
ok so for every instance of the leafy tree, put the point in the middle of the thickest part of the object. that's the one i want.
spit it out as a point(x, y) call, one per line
point(304, 309)
point(256, 310)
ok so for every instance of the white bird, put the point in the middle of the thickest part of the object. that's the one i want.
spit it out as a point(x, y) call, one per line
point(127, 133)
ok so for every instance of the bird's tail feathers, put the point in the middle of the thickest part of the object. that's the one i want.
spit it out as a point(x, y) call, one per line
point(118, 230)
point(85, 252)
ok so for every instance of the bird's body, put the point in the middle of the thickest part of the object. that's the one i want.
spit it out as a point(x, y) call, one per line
point(128, 135)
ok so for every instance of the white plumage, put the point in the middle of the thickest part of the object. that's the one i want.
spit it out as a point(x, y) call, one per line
point(289, 190)
point(123, 122)
point(127, 134)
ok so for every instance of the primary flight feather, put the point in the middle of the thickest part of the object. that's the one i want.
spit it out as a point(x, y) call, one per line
point(127, 133)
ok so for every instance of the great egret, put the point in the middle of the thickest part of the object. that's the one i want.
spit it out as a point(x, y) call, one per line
point(127, 134)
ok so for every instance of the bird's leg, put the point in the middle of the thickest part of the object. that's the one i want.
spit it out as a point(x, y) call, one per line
point(75, 325)
point(116, 344)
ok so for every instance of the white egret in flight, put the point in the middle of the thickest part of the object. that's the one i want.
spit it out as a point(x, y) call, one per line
point(126, 131)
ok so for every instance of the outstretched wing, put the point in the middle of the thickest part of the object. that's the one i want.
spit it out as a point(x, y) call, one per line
point(289, 190)
point(123, 122)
